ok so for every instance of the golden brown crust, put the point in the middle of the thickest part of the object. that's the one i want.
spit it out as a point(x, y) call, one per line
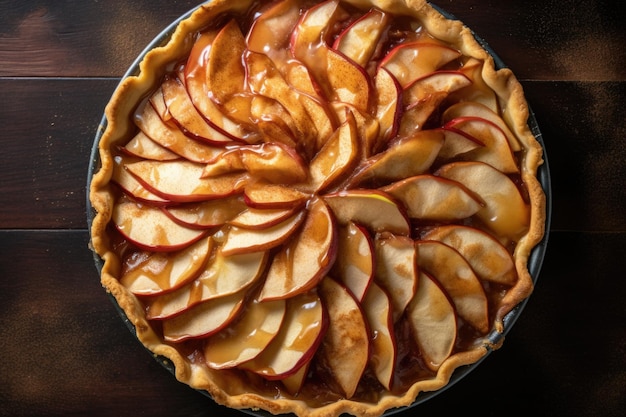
point(225, 387)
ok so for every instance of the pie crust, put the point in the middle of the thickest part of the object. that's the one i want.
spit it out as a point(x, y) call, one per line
point(239, 388)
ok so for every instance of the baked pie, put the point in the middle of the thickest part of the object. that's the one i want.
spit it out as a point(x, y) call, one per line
point(318, 208)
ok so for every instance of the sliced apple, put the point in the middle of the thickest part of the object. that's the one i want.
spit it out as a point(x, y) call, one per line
point(150, 228)
point(273, 196)
point(476, 109)
point(130, 185)
point(359, 40)
point(345, 350)
point(264, 78)
point(412, 60)
point(240, 240)
point(418, 114)
point(143, 147)
point(504, 210)
point(162, 272)
point(367, 127)
point(322, 119)
point(270, 161)
point(488, 257)
point(271, 32)
point(204, 319)
point(181, 181)
point(222, 276)
point(458, 279)
point(252, 218)
point(184, 113)
point(457, 143)
point(336, 157)
point(379, 312)
point(348, 82)
point(430, 197)
point(388, 105)
point(306, 258)
point(433, 322)
point(226, 74)
point(303, 328)
point(406, 158)
point(396, 270)
point(374, 209)
point(248, 337)
point(479, 91)
point(435, 82)
point(207, 214)
point(293, 383)
point(497, 152)
point(170, 136)
point(355, 263)
point(196, 82)
point(299, 77)
point(313, 30)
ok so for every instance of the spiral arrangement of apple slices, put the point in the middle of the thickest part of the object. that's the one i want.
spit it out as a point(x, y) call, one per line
point(322, 195)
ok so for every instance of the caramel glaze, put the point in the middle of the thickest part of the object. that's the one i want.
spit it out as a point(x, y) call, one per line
point(409, 366)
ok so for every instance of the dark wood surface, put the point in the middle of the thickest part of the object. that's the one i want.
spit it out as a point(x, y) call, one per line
point(65, 351)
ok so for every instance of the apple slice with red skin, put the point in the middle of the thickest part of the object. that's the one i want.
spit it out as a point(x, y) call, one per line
point(221, 277)
point(418, 114)
point(504, 210)
point(184, 113)
point(170, 136)
point(345, 349)
point(405, 158)
point(142, 146)
point(204, 319)
point(435, 82)
point(396, 270)
point(293, 383)
point(273, 196)
point(271, 32)
point(252, 218)
point(337, 157)
point(306, 258)
point(347, 81)
point(479, 91)
point(388, 106)
point(367, 127)
point(300, 78)
point(429, 197)
point(270, 161)
point(130, 185)
point(476, 109)
point(433, 322)
point(163, 272)
point(246, 338)
point(489, 259)
point(226, 74)
point(196, 82)
point(355, 263)
point(299, 337)
point(458, 279)
point(412, 60)
point(497, 152)
point(457, 143)
point(379, 312)
point(240, 240)
point(264, 78)
point(207, 214)
point(374, 209)
point(181, 181)
point(313, 30)
point(151, 229)
point(360, 39)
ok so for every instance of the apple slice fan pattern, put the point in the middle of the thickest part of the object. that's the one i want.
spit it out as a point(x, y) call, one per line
point(317, 208)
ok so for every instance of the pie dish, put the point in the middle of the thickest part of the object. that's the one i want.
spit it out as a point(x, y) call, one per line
point(318, 208)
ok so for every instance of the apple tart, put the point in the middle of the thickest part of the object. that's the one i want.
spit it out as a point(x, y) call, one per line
point(318, 208)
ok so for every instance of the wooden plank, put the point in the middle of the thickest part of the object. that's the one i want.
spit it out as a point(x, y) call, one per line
point(547, 40)
point(86, 361)
point(47, 133)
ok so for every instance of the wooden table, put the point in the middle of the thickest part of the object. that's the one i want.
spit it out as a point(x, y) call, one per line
point(64, 349)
